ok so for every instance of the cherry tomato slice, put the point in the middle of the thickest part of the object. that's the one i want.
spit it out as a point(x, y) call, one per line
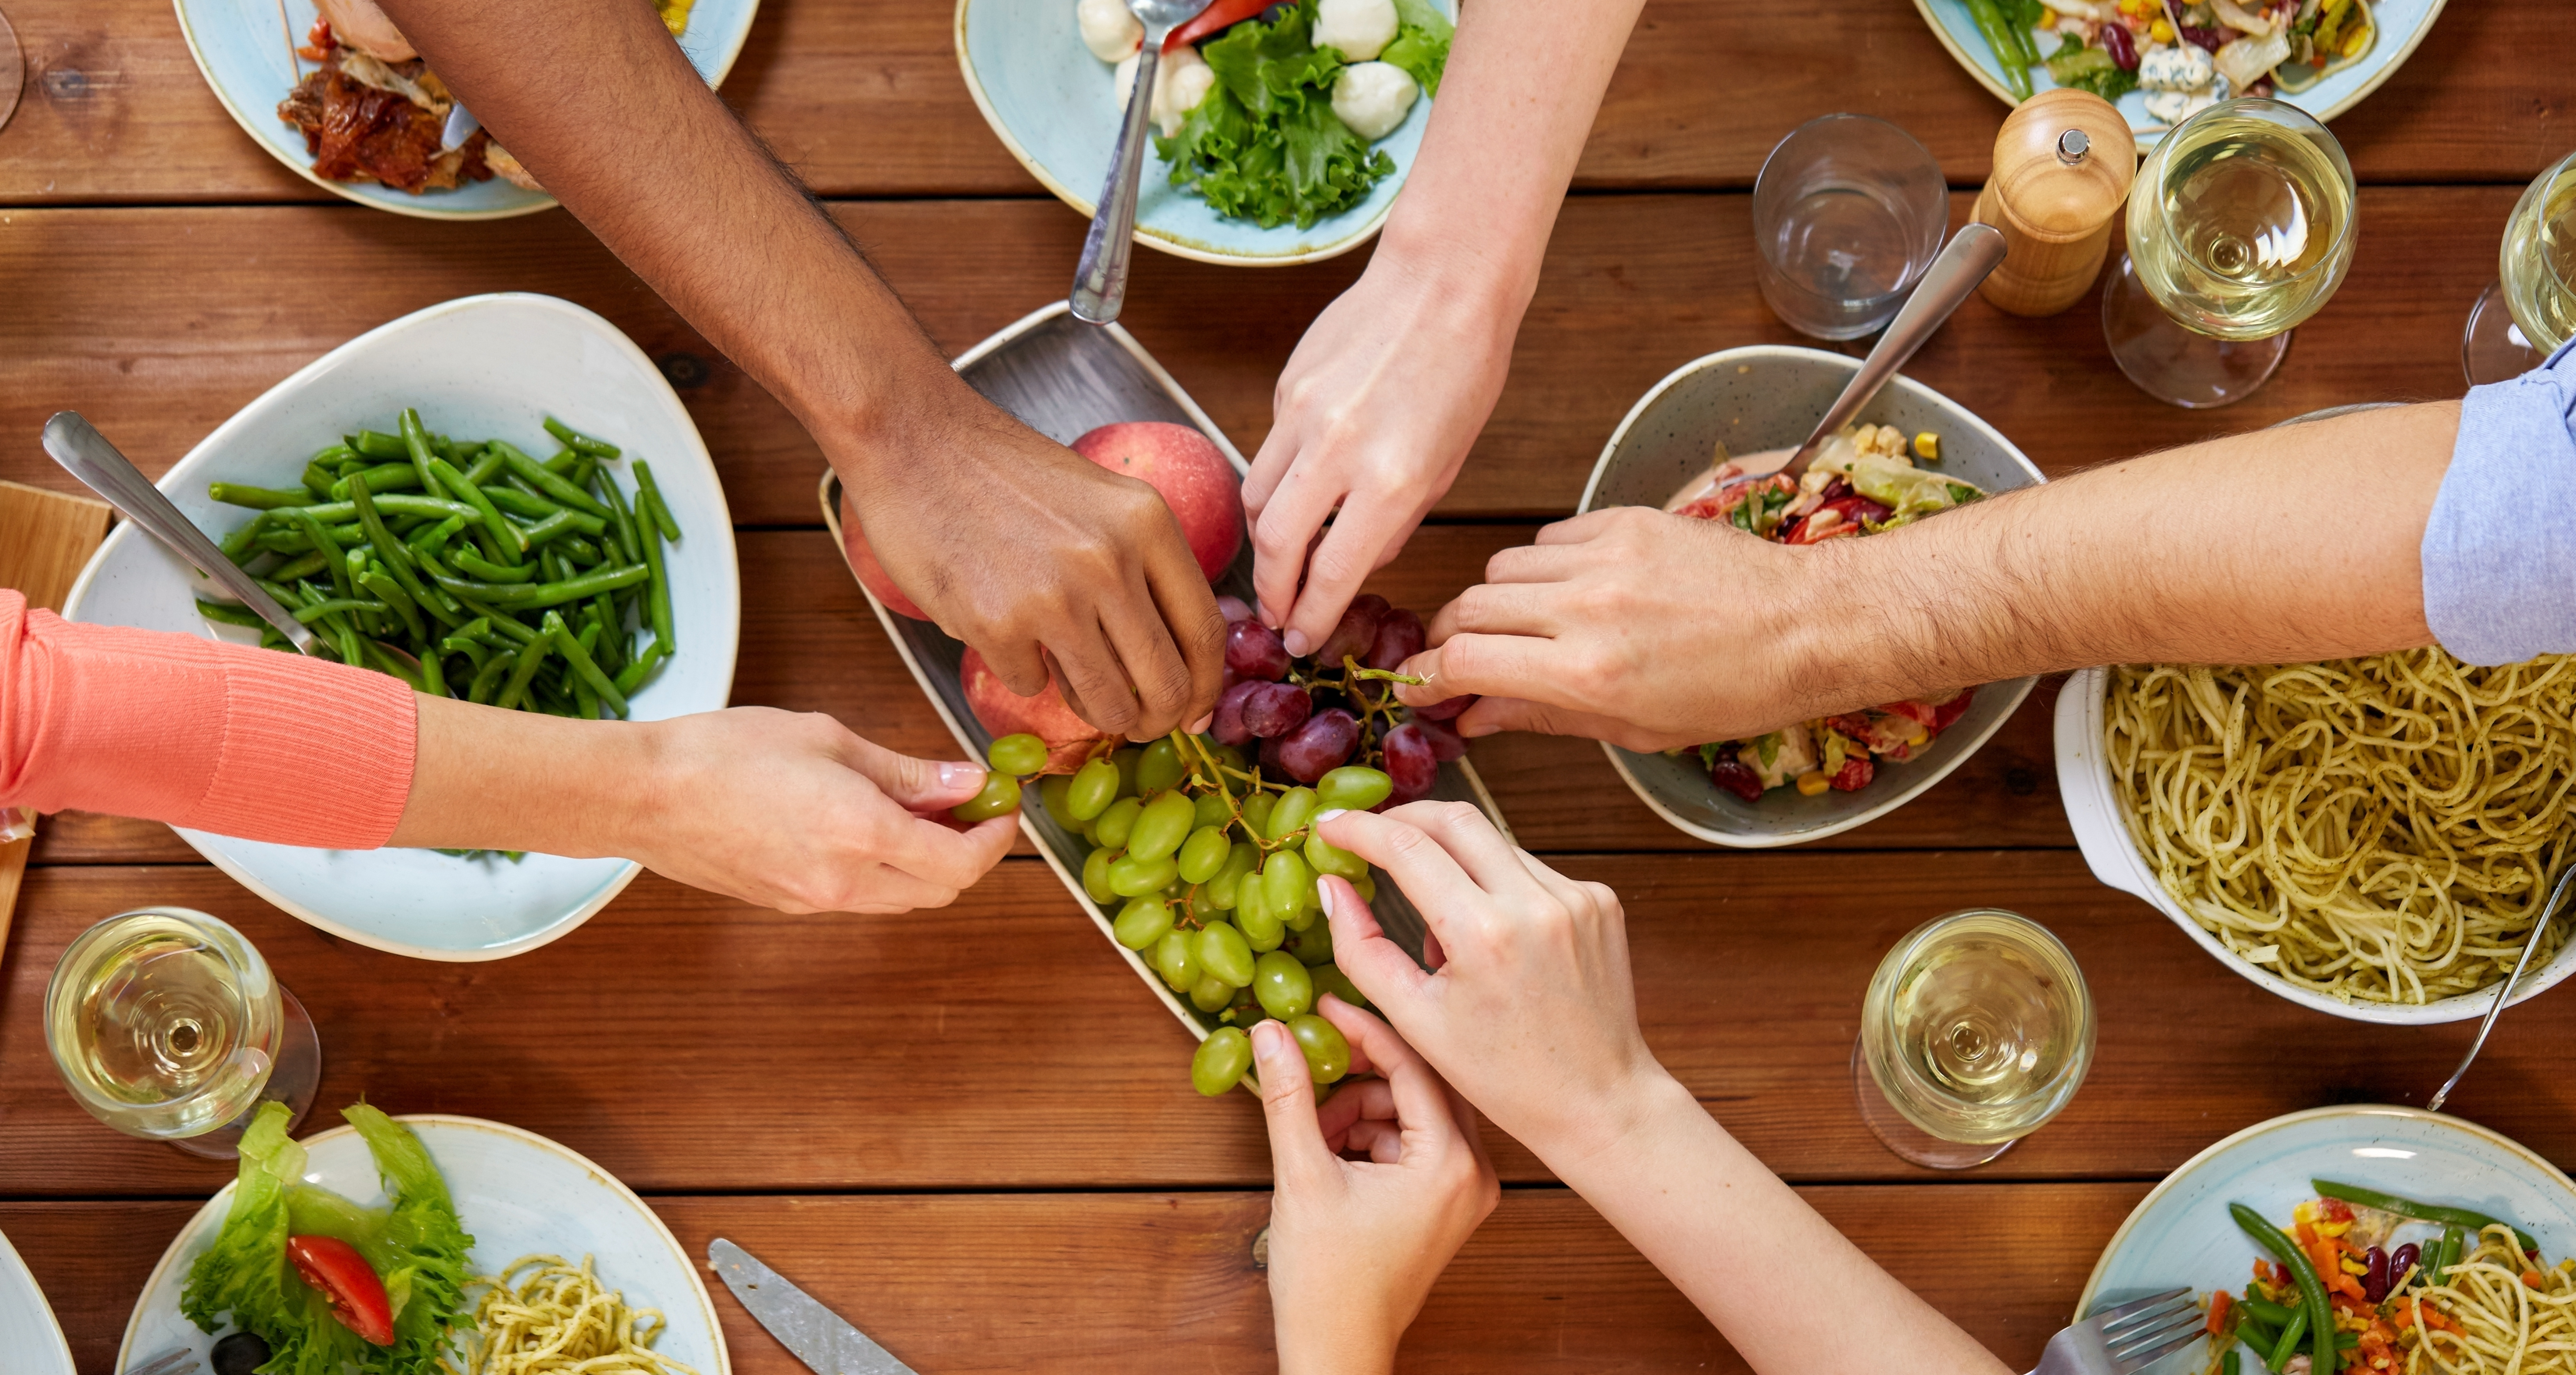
point(1222, 15)
point(344, 1277)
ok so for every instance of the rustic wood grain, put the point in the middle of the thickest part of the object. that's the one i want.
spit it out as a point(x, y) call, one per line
point(45, 538)
point(1157, 1282)
point(866, 100)
point(687, 1042)
point(1634, 287)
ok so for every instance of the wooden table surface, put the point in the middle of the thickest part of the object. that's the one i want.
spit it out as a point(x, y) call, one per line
point(988, 1180)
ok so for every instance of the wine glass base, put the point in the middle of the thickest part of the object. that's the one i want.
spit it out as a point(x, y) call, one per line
point(1907, 1141)
point(13, 71)
point(294, 1081)
point(2174, 364)
point(2493, 348)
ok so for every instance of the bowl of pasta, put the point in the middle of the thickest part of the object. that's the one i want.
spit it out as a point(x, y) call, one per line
point(2371, 838)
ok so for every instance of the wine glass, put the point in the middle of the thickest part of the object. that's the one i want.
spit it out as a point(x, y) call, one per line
point(167, 1025)
point(1848, 214)
point(2530, 309)
point(2240, 226)
point(1976, 1030)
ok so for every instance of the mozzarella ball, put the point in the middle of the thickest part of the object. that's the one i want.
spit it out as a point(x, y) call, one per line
point(1123, 80)
point(1108, 29)
point(1183, 80)
point(1358, 29)
point(1373, 98)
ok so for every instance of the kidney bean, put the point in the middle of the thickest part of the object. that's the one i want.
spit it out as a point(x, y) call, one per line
point(2122, 48)
point(2374, 1281)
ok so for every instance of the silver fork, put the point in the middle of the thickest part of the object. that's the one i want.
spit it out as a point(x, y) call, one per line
point(176, 1361)
point(2125, 1339)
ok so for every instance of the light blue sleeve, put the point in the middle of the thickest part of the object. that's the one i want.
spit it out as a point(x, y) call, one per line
point(2500, 550)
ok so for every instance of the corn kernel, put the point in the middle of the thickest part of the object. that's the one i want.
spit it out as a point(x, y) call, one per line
point(2161, 31)
point(1921, 735)
point(2333, 1229)
point(1813, 783)
point(1927, 446)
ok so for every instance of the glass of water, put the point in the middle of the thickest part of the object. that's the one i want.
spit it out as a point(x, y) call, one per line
point(1848, 213)
point(1977, 1029)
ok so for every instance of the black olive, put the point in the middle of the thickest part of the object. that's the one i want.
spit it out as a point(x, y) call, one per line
point(240, 1354)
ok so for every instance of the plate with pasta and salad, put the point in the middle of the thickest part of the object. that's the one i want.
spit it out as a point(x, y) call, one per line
point(2359, 1240)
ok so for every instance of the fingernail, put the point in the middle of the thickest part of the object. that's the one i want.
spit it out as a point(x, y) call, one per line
point(1328, 814)
point(1324, 894)
point(1479, 730)
point(1200, 726)
point(1298, 645)
point(1266, 1039)
point(961, 776)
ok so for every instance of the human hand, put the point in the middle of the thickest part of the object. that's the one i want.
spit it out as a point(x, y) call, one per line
point(1644, 629)
point(1373, 414)
point(792, 811)
point(1355, 1245)
point(1043, 560)
point(1532, 1012)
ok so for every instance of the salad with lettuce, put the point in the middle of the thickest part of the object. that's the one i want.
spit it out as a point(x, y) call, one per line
point(327, 1285)
point(1271, 111)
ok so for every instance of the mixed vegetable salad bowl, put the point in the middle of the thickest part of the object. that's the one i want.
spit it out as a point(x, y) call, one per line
point(1048, 78)
point(1768, 396)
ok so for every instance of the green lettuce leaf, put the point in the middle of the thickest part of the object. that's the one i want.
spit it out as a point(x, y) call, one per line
point(422, 1242)
point(245, 1276)
point(1265, 145)
point(1421, 45)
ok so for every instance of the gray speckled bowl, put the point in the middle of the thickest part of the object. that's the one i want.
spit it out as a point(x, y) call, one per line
point(1767, 396)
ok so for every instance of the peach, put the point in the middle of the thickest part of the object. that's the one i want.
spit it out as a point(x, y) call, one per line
point(1069, 738)
point(1191, 473)
point(863, 561)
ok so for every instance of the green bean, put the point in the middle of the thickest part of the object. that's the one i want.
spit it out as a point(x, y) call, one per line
point(486, 677)
point(561, 461)
point(2270, 1314)
point(240, 544)
point(377, 445)
point(2320, 1318)
point(528, 505)
point(2420, 1212)
point(257, 498)
point(385, 662)
point(390, 503)
point(585, 701)
point(466, 561)
point(433, 538)
point(228, 613)
point(416, 444)
point(483, 469)
point(468, 646)
point(391, 594)
point(2228, 1364)
point(658, 600)
point(585, 668)
point(323, 610)
point(382, 479)
point(561, 525)
point(525, 671)
point(318, 478)
point(2282, 1350)
point(397, 556)
point(433, 674)
point(2439, 1272)
point(1998, 34)
point(320, 541)
point(633, 675)
point(506, 539)
point(2262, 1336)
point(530, 596)
point(624, 521)
point(580, 552)
point(582, 469)
point(612, 644)
point(651, 495)
point(552, 484)
point(575, 440)
point(303, 567)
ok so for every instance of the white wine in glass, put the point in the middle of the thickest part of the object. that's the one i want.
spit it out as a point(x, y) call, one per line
point(2240, 226)
point(1977, 1029)
point(2530, 309)
point(167, 1024)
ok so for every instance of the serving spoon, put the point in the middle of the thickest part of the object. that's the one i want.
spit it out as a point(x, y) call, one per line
point(1100, 280)
point(2557, 892)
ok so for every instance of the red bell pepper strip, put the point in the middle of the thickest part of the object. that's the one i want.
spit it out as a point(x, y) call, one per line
point(1217, 17)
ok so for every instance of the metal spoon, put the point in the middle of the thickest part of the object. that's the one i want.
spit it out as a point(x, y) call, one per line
point(2557, 892)
point(1971, 254)
point(1100, 281)
point(86, 454)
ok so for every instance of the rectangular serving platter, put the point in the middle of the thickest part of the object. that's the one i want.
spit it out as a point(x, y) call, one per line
point(1063, 377)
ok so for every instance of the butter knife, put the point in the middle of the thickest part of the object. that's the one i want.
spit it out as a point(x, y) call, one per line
point(817, 1335)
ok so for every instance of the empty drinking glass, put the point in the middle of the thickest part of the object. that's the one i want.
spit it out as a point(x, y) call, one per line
point(1847, 214)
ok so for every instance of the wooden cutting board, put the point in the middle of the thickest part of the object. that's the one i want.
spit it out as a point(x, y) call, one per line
point(46, 538)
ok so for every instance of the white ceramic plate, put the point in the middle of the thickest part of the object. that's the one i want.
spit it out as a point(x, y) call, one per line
point(1768, 396)
point(2180, 1233)
point(2402, 25)
point(246, 50)
point(517, 1194)
point(28, 1331)
point(1055, 107)
point(2111, 852)
point(490, 366)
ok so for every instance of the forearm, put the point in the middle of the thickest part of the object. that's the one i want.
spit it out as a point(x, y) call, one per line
point(629, 137)
point(2277, 546)
point(488, 779)
point(1749, 1253)
point(1524, 79)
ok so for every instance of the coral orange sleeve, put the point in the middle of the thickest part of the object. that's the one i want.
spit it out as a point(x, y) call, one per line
point(210, 736)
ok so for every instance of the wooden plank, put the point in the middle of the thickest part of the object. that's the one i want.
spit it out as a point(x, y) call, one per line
point(45, 538)
point(1115, 1282)
point(866, 100)
point(1000, 1044)
point(1634, 287)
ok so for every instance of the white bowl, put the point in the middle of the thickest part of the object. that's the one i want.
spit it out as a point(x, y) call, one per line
point(1768, 396)
point(2102, 833)
point(484, 366)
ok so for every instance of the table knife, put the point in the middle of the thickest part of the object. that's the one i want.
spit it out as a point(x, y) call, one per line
point(819, 1337)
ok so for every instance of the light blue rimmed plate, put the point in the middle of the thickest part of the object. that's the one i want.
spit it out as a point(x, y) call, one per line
point(246, 49)
point(2402, 25)
point(517, 1193)
point(1055, 107)
point(492, 366)
point(28, 1331)
point(2180, 1233)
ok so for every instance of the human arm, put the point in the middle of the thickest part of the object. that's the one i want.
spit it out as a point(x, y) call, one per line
point(1653, 631)
point(1532, 1016)
point(782, 810)
point(1355, 1244)
point(1384, 395)
point(1010, 541)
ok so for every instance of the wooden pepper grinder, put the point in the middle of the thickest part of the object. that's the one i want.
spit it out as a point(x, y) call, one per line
point(2063, 163)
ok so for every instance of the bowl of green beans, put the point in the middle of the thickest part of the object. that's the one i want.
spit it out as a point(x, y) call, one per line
point(497, 499)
